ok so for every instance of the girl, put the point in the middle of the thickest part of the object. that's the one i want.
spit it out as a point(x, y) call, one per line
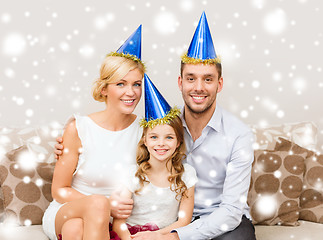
point(162, 187)
point(89, 169)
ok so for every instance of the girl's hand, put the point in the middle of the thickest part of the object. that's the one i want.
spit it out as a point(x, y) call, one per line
point(155, 235)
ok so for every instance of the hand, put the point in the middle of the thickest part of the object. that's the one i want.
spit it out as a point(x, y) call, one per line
point(58, 147)
point(148, 235)
point(120, 207)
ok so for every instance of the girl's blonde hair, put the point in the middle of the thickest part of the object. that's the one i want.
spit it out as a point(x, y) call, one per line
point(177, 168)
point(112, 70)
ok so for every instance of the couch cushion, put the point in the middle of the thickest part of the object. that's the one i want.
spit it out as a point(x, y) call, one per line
point(26, 186)
point(276, 184)
point(305, 231)
point(34, 232)
point(303, 133)
point(311, 198)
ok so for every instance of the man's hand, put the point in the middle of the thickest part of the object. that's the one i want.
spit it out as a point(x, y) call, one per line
point(121, 207)
point(58, 147)
point(148, 235)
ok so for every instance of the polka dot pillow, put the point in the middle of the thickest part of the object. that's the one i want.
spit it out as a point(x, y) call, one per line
point(276, 184)
point(26, 186)
point(311, 198)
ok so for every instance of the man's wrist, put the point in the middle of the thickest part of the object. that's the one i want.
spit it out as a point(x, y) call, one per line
point(174, 235)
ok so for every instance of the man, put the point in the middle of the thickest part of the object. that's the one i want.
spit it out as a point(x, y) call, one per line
point(219, 147)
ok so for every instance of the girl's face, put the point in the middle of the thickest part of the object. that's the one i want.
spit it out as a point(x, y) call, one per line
point(161, 142)
point(125, 94)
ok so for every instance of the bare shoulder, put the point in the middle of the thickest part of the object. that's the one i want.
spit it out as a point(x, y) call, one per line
point(70, 135)
point(71, 128)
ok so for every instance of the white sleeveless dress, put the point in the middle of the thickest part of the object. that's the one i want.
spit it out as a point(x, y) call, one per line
point(102, 165)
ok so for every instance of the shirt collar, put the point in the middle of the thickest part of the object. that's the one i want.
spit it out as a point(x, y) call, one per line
point(215, 121)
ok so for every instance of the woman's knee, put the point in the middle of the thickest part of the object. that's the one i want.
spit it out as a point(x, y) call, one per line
point(99, 203)
point(73, 229)
point(98, 207)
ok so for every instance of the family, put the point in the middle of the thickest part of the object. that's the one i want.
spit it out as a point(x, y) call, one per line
point(176, 174)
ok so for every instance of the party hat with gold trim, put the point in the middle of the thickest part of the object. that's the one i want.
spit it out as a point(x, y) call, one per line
point(131, 48)
point(201, 49)
point(157, 110)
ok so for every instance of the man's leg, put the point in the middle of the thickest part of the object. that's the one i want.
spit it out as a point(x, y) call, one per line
point(245, 231)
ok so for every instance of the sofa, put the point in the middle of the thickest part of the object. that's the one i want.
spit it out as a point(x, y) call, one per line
point(285, 195)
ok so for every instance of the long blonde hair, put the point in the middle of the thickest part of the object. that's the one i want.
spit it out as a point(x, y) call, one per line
point(177, 168)
point(112, 70)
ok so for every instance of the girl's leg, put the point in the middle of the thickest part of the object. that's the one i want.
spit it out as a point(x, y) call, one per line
point(93, 210)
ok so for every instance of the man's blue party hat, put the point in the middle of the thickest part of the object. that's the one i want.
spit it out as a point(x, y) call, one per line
point(131, 48)
point(201, 49)
point(157, 110)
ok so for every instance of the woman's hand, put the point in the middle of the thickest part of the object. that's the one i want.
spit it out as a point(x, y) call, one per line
point(121, 206)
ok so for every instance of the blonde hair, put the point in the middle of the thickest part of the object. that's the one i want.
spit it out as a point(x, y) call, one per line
point(177, 169)
point(112, 70)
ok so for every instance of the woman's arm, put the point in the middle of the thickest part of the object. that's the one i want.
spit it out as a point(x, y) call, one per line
point(119, 225)
point(63, 174)
point(185, 212)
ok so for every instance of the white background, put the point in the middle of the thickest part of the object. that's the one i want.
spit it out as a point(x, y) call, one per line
point(271, 52)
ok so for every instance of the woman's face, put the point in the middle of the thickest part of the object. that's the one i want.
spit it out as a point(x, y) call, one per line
point(125, 94)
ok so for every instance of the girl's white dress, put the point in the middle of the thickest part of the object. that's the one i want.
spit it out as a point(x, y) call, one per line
point(102, 165)
point(155, 204)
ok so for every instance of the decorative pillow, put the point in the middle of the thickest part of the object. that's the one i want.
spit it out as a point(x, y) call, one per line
point(311, 198)
point(40, 140)
point(276, 184)
point(26, 186)
point(303, 134)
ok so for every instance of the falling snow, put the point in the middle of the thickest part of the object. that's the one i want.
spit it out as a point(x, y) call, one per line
point(271, 56)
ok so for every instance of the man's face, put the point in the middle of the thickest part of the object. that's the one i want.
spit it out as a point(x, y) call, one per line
point(199, 85)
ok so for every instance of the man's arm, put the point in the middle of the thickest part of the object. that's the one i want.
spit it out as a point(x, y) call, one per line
point(228, 215)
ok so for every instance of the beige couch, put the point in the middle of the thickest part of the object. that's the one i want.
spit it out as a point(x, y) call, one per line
point(27, 163)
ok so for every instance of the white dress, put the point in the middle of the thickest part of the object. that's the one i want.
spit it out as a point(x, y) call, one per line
point(102, 165)
point(155, 204)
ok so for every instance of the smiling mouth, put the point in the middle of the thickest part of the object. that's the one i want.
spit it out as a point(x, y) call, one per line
point(161, 151)
point(130, 101)
point(198, 99)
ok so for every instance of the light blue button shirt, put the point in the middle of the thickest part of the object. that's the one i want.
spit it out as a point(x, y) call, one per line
point(222, 157)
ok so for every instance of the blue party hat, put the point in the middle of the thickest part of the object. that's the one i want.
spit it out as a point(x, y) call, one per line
point(201, 49)
point(131, 48)
point(157, 110)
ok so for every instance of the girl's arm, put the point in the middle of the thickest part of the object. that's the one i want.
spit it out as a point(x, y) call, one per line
point(185, 212)
point(119, 225)
point(63, 174)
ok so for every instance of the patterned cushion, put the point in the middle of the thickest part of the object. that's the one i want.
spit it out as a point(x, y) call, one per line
point(303, 134)
point(276, 184)
point(41, 140)
point(26, 186)
point(311, 198)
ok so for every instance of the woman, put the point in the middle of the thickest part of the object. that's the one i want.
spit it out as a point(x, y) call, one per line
point(96, 148)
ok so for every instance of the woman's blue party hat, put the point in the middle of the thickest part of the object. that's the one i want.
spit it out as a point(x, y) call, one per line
point(157, 110)
point(201, 49)
point(131, 48)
